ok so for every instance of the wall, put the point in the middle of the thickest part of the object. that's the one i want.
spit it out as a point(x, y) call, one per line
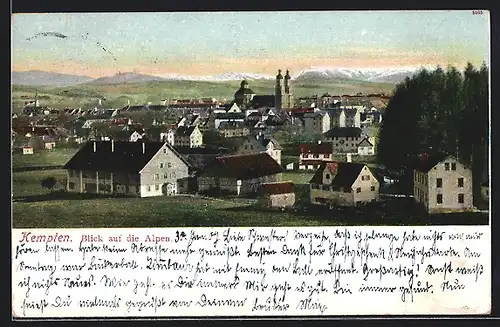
point(450, 190)
point(366, 194)
point(152, 174)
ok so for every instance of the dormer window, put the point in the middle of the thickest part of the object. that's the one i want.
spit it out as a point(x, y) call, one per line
point(446, 166)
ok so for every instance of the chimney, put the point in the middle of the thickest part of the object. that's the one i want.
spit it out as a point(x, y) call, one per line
point(112, 146)
point(143, 147)
point(95, 146)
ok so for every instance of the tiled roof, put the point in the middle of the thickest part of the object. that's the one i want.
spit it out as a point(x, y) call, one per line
point(343, 132)
point(427, 162)
point(231, 124)
point(346, 173)
point(263, 101)
point(126, 156)
point(184, 131)
point(243, 167)
point(365, 142)
point(277, 188)
point(316, 148)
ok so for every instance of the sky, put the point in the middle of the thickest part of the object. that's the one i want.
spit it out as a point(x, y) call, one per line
point(212, 43)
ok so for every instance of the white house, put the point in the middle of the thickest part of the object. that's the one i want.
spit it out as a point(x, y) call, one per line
point(443, 184)
point(343, 184)
point(141, 169)
point(344, 139)
point(312, 155)
point(365, 148)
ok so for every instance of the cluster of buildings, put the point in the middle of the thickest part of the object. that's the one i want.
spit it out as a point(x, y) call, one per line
point(176, 159)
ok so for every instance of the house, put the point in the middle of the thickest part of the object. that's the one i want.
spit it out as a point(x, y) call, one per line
point(27, 149)
point(49, 145)
point(316, 122)
point(135, 136)
point(188, 137)
point(344, 139)
point(337, 117)
point(352, 117)
point(312, 155)
point(216, 118)
point(239, 174)
point(343, 184)
point(277, 195)
point(442, 184)
point(261, 144)
point(233, 108)
point(141, 169)
point(366, 148)
point(230, 129)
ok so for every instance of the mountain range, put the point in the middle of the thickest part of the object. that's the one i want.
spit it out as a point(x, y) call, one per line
point(318, 75)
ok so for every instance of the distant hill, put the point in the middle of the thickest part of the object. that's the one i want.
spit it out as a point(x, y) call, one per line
point(126, 78)
point(383, 75)
point(39, 78)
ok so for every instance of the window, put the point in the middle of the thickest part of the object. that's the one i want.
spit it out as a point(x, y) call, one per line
point(446, 166)
point(358, 190)
point(71, 186)
point(439, 182)
point(70, 172)
point(439, 198)
point(161, 164)
point(372, 188)
point(453, 166)
point(460, 182)
point(327, 176)
point(326, 188)
point(148, 188)
point(157, 187)
point(156, 176)
point(460, 198)
point(169, 165)
point(165, 176)
point(367, 177)
point(172, 175)
point(316, 155)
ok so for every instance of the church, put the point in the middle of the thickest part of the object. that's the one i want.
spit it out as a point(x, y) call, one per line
point(281, 99)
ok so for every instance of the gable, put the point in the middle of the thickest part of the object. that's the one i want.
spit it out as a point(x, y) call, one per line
point(166, 155)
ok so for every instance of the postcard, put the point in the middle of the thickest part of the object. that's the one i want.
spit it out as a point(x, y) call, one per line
point(250, 164)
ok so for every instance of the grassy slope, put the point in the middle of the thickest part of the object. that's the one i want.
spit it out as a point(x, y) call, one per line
point(86, 95)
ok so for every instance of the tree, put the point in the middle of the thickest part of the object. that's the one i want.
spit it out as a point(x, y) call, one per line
point(438, 112)
point(49, 183)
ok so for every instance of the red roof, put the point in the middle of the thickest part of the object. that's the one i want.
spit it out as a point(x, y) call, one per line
point(316, 148)
point(277, 188)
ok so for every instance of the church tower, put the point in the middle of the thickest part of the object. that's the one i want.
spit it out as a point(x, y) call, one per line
point(288, 97)
point(279, 91)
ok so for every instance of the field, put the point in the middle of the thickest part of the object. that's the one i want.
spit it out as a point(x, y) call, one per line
point(35, 207)
point(117, 95)
point(42, 158)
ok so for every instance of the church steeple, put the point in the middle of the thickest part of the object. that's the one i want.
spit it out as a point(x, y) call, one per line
point(287, 81)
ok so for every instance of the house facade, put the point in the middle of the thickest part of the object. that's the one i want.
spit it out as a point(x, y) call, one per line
point(260, 144)
point(366, 148)
point(443, 184)
point(230, 129)
point(190, 137)
point(239, 174)
point(344, 139)
point(141, 169)
point(316, 122)
point(277, 195)
point(312, 155)
point(343, 184)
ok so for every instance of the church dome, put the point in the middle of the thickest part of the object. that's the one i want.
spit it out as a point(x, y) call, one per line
point(244, 90)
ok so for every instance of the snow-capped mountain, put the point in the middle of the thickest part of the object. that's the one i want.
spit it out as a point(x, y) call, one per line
point(386, 75)
point(228, 76)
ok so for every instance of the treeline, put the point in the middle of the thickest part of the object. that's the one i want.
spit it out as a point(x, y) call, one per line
point(438, 112)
